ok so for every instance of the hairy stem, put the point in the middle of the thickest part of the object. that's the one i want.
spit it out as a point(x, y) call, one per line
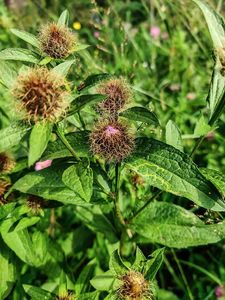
point(116, 198)
point(65, 142)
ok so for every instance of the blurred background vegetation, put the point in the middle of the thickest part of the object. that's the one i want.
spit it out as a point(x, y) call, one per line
point(164, 49)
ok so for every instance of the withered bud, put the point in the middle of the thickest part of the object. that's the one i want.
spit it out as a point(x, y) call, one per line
point(41, 94)
point(56, 40)
point(134, 287)
point(35, 204)
point(6, 163)
point(67, 296)
point(111, 140)
point(4, 186)
point(118, 95)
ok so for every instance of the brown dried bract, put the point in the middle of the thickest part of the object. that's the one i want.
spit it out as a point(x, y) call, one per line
point(6, 163)
point(41, 94)
point(56, 40)
point(118, 95)
point(35, 204)
point(111, 140)
point(134, 287)
point(4, 185)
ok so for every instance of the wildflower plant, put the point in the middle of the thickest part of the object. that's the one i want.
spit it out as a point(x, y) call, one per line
point(87, 176)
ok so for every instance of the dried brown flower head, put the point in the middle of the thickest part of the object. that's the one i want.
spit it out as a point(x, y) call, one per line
point(134, 287)
point(111, 140)
point(41, 94)
point(6, 163)
point(4, 185)
point(35, 204)
point(56, 40)
point(118, 95)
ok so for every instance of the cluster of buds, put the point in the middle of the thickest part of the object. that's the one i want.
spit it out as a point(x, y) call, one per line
point(134, 287)
point(111, 139)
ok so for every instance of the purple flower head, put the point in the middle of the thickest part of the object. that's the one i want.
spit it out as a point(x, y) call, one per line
point(155, 32)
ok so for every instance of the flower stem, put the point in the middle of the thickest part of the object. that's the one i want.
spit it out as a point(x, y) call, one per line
point(62, 137)
point(145, 205)
point(197, 145)
point(116, 198)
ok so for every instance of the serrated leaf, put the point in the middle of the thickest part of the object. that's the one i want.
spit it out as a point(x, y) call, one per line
point(78, 140)
point(19, 54)
point(48, 184)
point(170, 170)
point(79, 178)
point(81, 101)
point(216, 177)
point(11, 136)
point(37, 293)
point(154, 263)
point(215, 23)
point(38, 142)
point(173, 135)
point(93, 80)
point(64, 67)
point(140, 114)
point(8, 74)
point(116, 264)
point(26, 36)
point(173, 226)
point(64, 18)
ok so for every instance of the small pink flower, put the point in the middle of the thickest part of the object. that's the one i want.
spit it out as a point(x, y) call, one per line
point(111, 131)
point(219, 291)
point(155, 32)
point(42, 164)
point(191, 96)
point(96, 34)
point(164, 35)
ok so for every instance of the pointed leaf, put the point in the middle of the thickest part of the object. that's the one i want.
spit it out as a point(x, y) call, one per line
point(81, 101)
point(37, 293)
point(173, 135)
point(64, 18)
point(93, 80)
point(27, 37)
point(154, 263)
point(140, 114)
point(64, 67)
point(116, 264)
point(19, 54)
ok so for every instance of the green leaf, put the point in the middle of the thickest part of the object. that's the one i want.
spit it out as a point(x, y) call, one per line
point(152, 265)
point(8, 74)
point(8, 276)
point(81, 101)
point(19, 54)
point(173, 226)
point(79, 178)
point(140, 260)
point(78, 140)
point(37, 293)
point(79, 47)
point(45, 60)
point(140, 114)
point(6, 209)
point(173, 135)
point(39, 138)
point(166, 295)
point(27, 37)
point(64, 18)
point(93, 80)
point(11, 136)
point(216, 177)
point(103, 282)
point(215, 23)
point(84, 278)
point(202, 127)
point(170, 170)
point(64, 67)
point(48, 184)
point(116, 264)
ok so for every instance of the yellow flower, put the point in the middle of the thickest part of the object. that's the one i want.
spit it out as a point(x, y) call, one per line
point(77, 25)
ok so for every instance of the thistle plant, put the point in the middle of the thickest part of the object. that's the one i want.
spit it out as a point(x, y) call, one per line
point(110, 175)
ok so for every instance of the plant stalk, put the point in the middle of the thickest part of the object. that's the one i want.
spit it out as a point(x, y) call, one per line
point(116, 198)
point(66, 143)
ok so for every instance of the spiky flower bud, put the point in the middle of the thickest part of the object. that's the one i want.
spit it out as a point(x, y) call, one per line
point(56, 40)
point(35, 204)
point(4, 185)
point(41, 94)
point(67, 296)
point(111, 140)
point(118, 95)
point(6, 163)
point(134, 287)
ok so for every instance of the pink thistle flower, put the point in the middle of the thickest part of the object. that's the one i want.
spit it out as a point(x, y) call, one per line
point(96, 34)
point(42, 164)
point(219, 291)
point(155, 32)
